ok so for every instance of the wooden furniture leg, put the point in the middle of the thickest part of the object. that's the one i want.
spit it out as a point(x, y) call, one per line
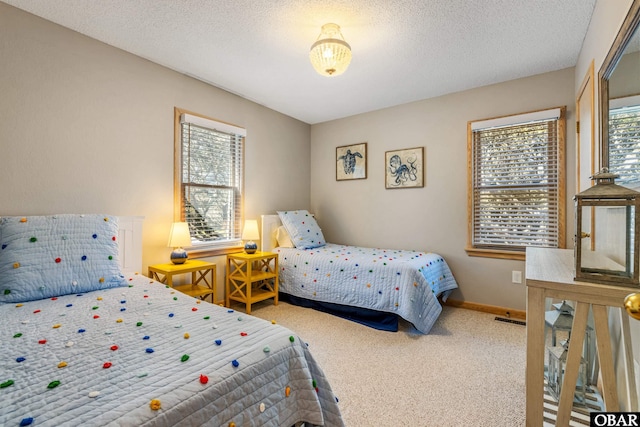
point(576, 344)
point(535, 358)
point(603, 342)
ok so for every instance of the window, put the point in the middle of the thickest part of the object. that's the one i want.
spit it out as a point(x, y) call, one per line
point(516, 183)
point(209, 181)
point(624, 140)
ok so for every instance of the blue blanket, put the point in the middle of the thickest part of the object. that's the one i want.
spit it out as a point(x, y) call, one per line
point(406, 283)
point(147, 355)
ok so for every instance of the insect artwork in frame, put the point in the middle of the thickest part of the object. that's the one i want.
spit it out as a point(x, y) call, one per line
point(404, 168)
point(351, 162)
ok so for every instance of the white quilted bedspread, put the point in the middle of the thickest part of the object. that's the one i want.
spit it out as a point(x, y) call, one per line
point(105, 357)
point(406, 283)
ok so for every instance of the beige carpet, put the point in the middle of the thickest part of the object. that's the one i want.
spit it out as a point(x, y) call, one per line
point(469, 371)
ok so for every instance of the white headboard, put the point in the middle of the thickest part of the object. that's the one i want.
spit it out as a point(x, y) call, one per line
point(130, 242)
point(268, 238)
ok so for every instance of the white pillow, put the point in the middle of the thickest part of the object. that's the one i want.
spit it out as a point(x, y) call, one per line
point(283, 238)
point(303, 229)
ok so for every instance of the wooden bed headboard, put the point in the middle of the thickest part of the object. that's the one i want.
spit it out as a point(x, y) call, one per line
point(130, 242)
point(268, 237)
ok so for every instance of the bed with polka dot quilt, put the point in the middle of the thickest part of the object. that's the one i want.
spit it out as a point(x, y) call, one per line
point(143, 354)
point(399, 282)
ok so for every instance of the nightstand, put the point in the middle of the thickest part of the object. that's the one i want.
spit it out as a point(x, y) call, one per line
point(200, 285)
point(252, 278)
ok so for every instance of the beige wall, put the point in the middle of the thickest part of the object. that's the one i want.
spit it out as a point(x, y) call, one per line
point(89, 128)
point(432, 218)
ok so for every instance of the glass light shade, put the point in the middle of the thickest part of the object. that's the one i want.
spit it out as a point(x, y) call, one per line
point(607, 225)
point(330, 55)
point(250, 233)
point(179, 236)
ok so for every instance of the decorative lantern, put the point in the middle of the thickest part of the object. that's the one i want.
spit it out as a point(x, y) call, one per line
point(557, 364)
point(561, 319)
point(607, 226)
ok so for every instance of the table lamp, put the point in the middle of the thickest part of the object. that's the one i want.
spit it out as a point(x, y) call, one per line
point(178, 237)
point(249, 234)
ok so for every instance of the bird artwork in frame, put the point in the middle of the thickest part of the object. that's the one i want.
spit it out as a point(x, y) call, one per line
point(404, 168)
point(351, 162)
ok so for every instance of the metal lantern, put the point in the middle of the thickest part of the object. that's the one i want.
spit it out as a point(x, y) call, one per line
point(607, 225)
point(557, 364)
point(561, 319)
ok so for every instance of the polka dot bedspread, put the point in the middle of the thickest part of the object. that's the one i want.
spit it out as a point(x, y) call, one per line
point(147, 355)
point(407, 283)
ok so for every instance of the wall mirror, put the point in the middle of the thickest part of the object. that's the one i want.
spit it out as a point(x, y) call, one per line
point(620, 102)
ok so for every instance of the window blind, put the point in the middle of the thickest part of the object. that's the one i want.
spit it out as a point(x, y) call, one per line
point(624, 144)
point(211, 180)
point(515, 183)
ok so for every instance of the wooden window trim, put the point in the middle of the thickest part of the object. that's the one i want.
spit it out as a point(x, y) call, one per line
point(512, 254)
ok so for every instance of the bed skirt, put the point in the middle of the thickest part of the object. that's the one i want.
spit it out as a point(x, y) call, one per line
point(372, 318)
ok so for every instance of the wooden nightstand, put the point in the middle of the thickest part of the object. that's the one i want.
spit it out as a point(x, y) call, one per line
point(199, 270)
point(252, 278)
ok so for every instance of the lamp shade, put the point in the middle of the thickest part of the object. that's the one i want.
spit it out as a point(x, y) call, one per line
point(250, 233)
point(179, 235)
point(330, 55)
point(250, 230)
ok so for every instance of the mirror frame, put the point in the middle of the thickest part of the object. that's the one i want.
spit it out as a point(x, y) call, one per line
point(628, 28)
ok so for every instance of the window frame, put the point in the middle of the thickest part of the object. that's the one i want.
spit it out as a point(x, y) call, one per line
point(205, 249)
point(516, 119)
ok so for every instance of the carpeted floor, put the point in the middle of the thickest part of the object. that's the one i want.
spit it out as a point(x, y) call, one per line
point(469, 371)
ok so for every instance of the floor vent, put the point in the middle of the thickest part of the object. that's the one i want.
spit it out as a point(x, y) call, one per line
point(517, 322)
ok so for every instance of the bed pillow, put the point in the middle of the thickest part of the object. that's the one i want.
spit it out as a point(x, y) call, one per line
point(283, 238)
point(47, 256)
point(303, 229)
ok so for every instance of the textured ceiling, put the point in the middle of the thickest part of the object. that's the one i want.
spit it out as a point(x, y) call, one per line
point(403, 50)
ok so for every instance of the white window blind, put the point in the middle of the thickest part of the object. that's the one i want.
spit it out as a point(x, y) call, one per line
point(515, 182)
point(211, 180)
point(624, 144)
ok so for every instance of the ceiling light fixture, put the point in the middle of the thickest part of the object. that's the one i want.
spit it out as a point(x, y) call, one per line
point(330, 55)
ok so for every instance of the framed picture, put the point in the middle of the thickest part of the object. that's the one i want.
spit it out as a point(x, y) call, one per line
point(351, 162)
point(404, 168)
